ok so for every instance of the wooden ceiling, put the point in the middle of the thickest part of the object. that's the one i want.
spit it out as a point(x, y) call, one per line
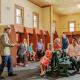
point(60, 6)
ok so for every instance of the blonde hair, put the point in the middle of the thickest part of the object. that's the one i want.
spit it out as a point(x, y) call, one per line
point(57, 40)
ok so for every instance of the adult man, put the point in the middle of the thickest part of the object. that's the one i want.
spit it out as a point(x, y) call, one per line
point(5, 46)
point(40, 49)
point(65, 42)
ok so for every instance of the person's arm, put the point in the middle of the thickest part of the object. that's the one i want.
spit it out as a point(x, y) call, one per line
point(67, 51)
point(43, 47)
point(68, 41)
point(6, 43)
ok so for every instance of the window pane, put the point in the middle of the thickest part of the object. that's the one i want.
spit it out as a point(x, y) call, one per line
point(18, 20)
point(35, 17)
point(71, 27)
point(71, 24)
point(35, 24)
point(35, 20)
point(18, 12)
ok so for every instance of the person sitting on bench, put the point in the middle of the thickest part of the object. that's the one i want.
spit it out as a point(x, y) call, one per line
point(72, 51)
point(44, 61)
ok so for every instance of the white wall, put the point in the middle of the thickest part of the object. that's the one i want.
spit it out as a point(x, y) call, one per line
point(8, 14)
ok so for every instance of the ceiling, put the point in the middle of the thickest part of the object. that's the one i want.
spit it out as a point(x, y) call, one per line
point(60, 6)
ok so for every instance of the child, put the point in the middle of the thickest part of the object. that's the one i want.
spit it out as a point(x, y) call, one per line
point(44, 61)
point(31, 52)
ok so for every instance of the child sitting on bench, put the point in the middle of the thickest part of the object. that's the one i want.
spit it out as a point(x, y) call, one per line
point(32, 54)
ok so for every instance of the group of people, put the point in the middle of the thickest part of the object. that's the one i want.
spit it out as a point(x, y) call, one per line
point(65, 49)
point(25, 52)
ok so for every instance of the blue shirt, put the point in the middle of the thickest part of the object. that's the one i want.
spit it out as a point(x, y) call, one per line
point(64, 43)
point(30, 49)
point(40, 46)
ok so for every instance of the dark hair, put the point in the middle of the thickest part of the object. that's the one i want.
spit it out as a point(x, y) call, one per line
point(6, 29)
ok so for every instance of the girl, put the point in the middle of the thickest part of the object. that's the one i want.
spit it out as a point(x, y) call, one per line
point(44, 61)
point(31, 52)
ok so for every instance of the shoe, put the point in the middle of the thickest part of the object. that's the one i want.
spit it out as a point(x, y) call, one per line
point(43, 73)
point(11, 74)
point(26, 65)
point(1, 77)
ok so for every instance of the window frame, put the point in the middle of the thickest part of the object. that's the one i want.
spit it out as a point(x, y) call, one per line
point(69, 26)
point(22, 13)
point(37, 14)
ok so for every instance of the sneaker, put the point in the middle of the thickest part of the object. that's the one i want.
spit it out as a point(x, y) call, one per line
point(11, 74)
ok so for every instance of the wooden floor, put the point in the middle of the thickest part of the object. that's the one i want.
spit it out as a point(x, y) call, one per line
point(31, 72)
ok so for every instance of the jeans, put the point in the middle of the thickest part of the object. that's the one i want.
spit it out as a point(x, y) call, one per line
point(6, 61)
point(74, 63)
point(40, 54)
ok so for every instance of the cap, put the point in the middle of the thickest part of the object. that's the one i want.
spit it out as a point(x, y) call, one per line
point(7, 27)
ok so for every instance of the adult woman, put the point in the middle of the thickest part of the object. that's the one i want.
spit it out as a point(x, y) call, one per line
point(22, 52)
point(44, 61)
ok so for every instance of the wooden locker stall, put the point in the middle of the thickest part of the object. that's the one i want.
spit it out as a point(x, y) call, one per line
point(76, 34)
point(38, 34)
point(46, 38)
point(19, 29)
point(31, 36)
point(16, 36)
point(13, 49)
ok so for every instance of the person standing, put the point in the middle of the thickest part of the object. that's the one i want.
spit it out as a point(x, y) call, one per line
point(5, 53)
point(65, 42)
point(40, 49)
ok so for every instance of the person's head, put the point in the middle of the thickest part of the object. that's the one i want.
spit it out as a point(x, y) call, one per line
point(31, 44)
point(57, 40)
point(7, 29)
point(74, 41)
point(24, 40)
point(63, 35)
point(49, 46)
point(41, 40)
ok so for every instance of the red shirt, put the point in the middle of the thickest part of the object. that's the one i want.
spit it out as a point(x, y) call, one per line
point(57, 46)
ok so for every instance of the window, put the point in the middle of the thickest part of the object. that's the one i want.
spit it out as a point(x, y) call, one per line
point(71, 26)
point(19, 14)
point(35, 20)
